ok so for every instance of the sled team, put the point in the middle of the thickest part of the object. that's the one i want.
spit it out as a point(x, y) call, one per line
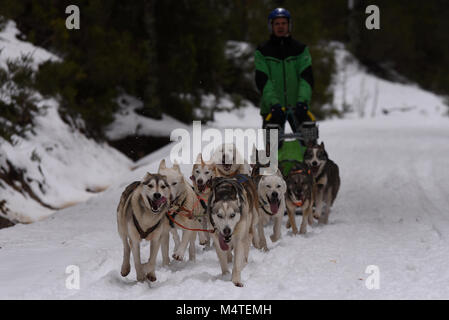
point(227, 202)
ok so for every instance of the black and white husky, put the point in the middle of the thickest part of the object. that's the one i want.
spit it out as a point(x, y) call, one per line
point(327, 179)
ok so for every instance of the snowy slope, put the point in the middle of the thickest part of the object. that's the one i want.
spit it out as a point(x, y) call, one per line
point(392, 212)
point(60, 165)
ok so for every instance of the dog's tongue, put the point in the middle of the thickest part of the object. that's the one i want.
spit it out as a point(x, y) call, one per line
point(201, 187)
point(223, 245)
point(159, 202)
point(274, 207)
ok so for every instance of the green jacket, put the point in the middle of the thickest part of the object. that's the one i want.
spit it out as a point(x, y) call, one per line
point(283, 73)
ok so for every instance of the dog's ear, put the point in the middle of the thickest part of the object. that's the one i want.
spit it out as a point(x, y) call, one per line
point(279, 173)
point(176, 167)
point(201, 158)
point(322, 144)
point(162, 165)
point(146, 177)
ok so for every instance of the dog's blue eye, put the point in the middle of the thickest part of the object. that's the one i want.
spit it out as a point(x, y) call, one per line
point(233, 215)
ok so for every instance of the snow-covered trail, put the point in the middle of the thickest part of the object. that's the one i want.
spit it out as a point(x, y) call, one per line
point(392, 211)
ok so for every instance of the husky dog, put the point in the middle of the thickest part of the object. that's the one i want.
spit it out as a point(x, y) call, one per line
point(229, 210)
point(301, 192)
point(271, 191)
point(226, 159)
point(202, 175)
point(140, 215)
point(327, 179)
point(185, 209)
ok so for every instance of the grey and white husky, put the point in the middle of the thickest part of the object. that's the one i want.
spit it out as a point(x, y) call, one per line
point(141, 215)
point(327, 179)
point(230, 213)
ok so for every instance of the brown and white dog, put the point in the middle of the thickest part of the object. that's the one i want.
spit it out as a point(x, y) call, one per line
point(141, 215)
point(184, 213)
point(228, 161)
point(301, 192)
point(202, 175)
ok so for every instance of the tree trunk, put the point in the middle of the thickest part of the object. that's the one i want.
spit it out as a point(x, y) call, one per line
point(151, 101)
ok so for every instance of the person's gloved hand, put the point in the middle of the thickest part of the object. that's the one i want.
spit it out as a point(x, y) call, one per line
point(301, 112)
point(277, 115)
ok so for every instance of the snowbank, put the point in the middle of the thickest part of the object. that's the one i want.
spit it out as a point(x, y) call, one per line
point(129, 123)
point(365, 95)
point(59, 164)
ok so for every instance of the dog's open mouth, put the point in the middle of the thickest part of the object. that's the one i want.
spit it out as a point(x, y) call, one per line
point(315, 170)
point(224, 240)
point(274, 204)
point(202, 187)
point(157, 204)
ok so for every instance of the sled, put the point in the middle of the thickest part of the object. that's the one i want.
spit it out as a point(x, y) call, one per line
point(293, 145)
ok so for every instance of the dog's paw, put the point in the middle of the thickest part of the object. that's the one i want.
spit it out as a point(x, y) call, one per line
point(238, 284)
point(151, 277)
point(177, 257)
point(125, 270)
point(274, 238)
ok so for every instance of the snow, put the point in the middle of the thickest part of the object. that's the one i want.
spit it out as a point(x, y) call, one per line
point(391, 212)
point(370, 96)
point(61, 165)
point(13, 48)
point(128, 123)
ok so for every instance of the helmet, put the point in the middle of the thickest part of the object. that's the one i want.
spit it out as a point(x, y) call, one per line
point(279, 13)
